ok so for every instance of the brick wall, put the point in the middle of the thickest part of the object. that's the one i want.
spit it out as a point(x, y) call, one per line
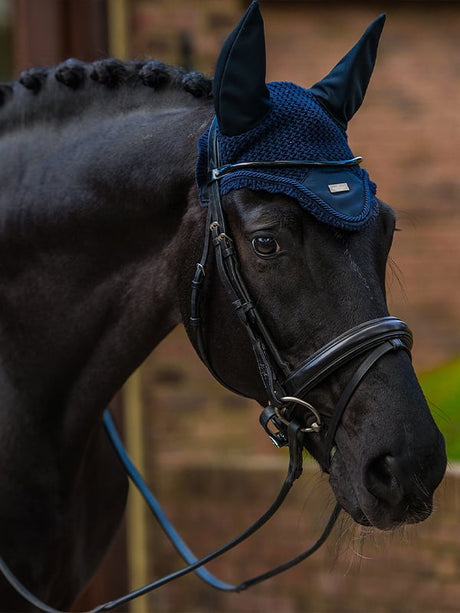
point(160, 26)
point(408, 129)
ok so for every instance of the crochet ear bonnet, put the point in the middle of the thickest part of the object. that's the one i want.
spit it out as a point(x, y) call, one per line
point(259, 122)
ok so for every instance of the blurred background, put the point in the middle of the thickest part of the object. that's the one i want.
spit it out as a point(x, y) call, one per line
point(199, 446)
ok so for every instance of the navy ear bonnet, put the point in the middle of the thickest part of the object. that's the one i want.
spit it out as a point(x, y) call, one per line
point(259, 122)
point(296, 128)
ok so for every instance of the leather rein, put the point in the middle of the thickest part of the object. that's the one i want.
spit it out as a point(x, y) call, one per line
point(285, 388)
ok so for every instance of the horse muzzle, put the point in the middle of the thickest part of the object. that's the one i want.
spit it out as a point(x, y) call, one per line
point(384, 488)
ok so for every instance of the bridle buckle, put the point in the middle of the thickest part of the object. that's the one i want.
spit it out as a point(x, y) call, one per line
point(268, 418)
point(276, 424)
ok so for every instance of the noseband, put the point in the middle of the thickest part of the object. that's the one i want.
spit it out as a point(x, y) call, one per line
point(286, 388)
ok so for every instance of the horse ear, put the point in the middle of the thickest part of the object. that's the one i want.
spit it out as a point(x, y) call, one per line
point(241, 98)
point(343, 89)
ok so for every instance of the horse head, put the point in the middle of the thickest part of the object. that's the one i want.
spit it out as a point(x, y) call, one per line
point(311, 241)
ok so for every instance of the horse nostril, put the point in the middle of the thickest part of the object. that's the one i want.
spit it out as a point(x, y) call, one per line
point(381, 480)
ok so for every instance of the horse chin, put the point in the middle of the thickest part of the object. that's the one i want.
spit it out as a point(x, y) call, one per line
point(366, 509)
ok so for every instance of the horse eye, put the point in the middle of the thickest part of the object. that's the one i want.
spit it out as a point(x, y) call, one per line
point(265, 245)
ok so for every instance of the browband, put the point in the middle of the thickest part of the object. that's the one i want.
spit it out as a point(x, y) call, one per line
point(216, 173)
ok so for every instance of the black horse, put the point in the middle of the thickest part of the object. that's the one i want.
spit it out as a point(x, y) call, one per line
point(102, 224)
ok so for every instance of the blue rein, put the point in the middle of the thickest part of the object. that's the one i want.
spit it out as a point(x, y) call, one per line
point(155, 507)
point(295, 437)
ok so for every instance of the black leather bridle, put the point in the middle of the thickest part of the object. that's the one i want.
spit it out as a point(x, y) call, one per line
point(285, 388)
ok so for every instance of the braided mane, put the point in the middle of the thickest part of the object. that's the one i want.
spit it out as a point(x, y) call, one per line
point(67, 88)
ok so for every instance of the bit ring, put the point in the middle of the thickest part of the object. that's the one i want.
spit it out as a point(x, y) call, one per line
point(314, 427)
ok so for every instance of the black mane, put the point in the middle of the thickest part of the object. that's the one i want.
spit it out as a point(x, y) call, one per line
point(64, 89)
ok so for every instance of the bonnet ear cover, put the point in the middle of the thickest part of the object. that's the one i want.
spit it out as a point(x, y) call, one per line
point(260, 122)
point(241, 98)
point(342, 91)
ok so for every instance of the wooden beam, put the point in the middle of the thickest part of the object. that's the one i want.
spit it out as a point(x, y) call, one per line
point(136, 524)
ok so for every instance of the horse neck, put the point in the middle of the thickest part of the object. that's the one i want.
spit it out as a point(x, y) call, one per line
point(92, 225)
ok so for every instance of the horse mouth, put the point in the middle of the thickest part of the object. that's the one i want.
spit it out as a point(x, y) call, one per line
point(367, 509)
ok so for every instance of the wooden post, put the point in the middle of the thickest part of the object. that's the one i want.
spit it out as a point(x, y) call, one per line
point(136, 544)
point(118, 20)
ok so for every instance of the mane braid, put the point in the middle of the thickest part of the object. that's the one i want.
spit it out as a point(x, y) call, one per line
point(112, 73)
point(39, 85)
